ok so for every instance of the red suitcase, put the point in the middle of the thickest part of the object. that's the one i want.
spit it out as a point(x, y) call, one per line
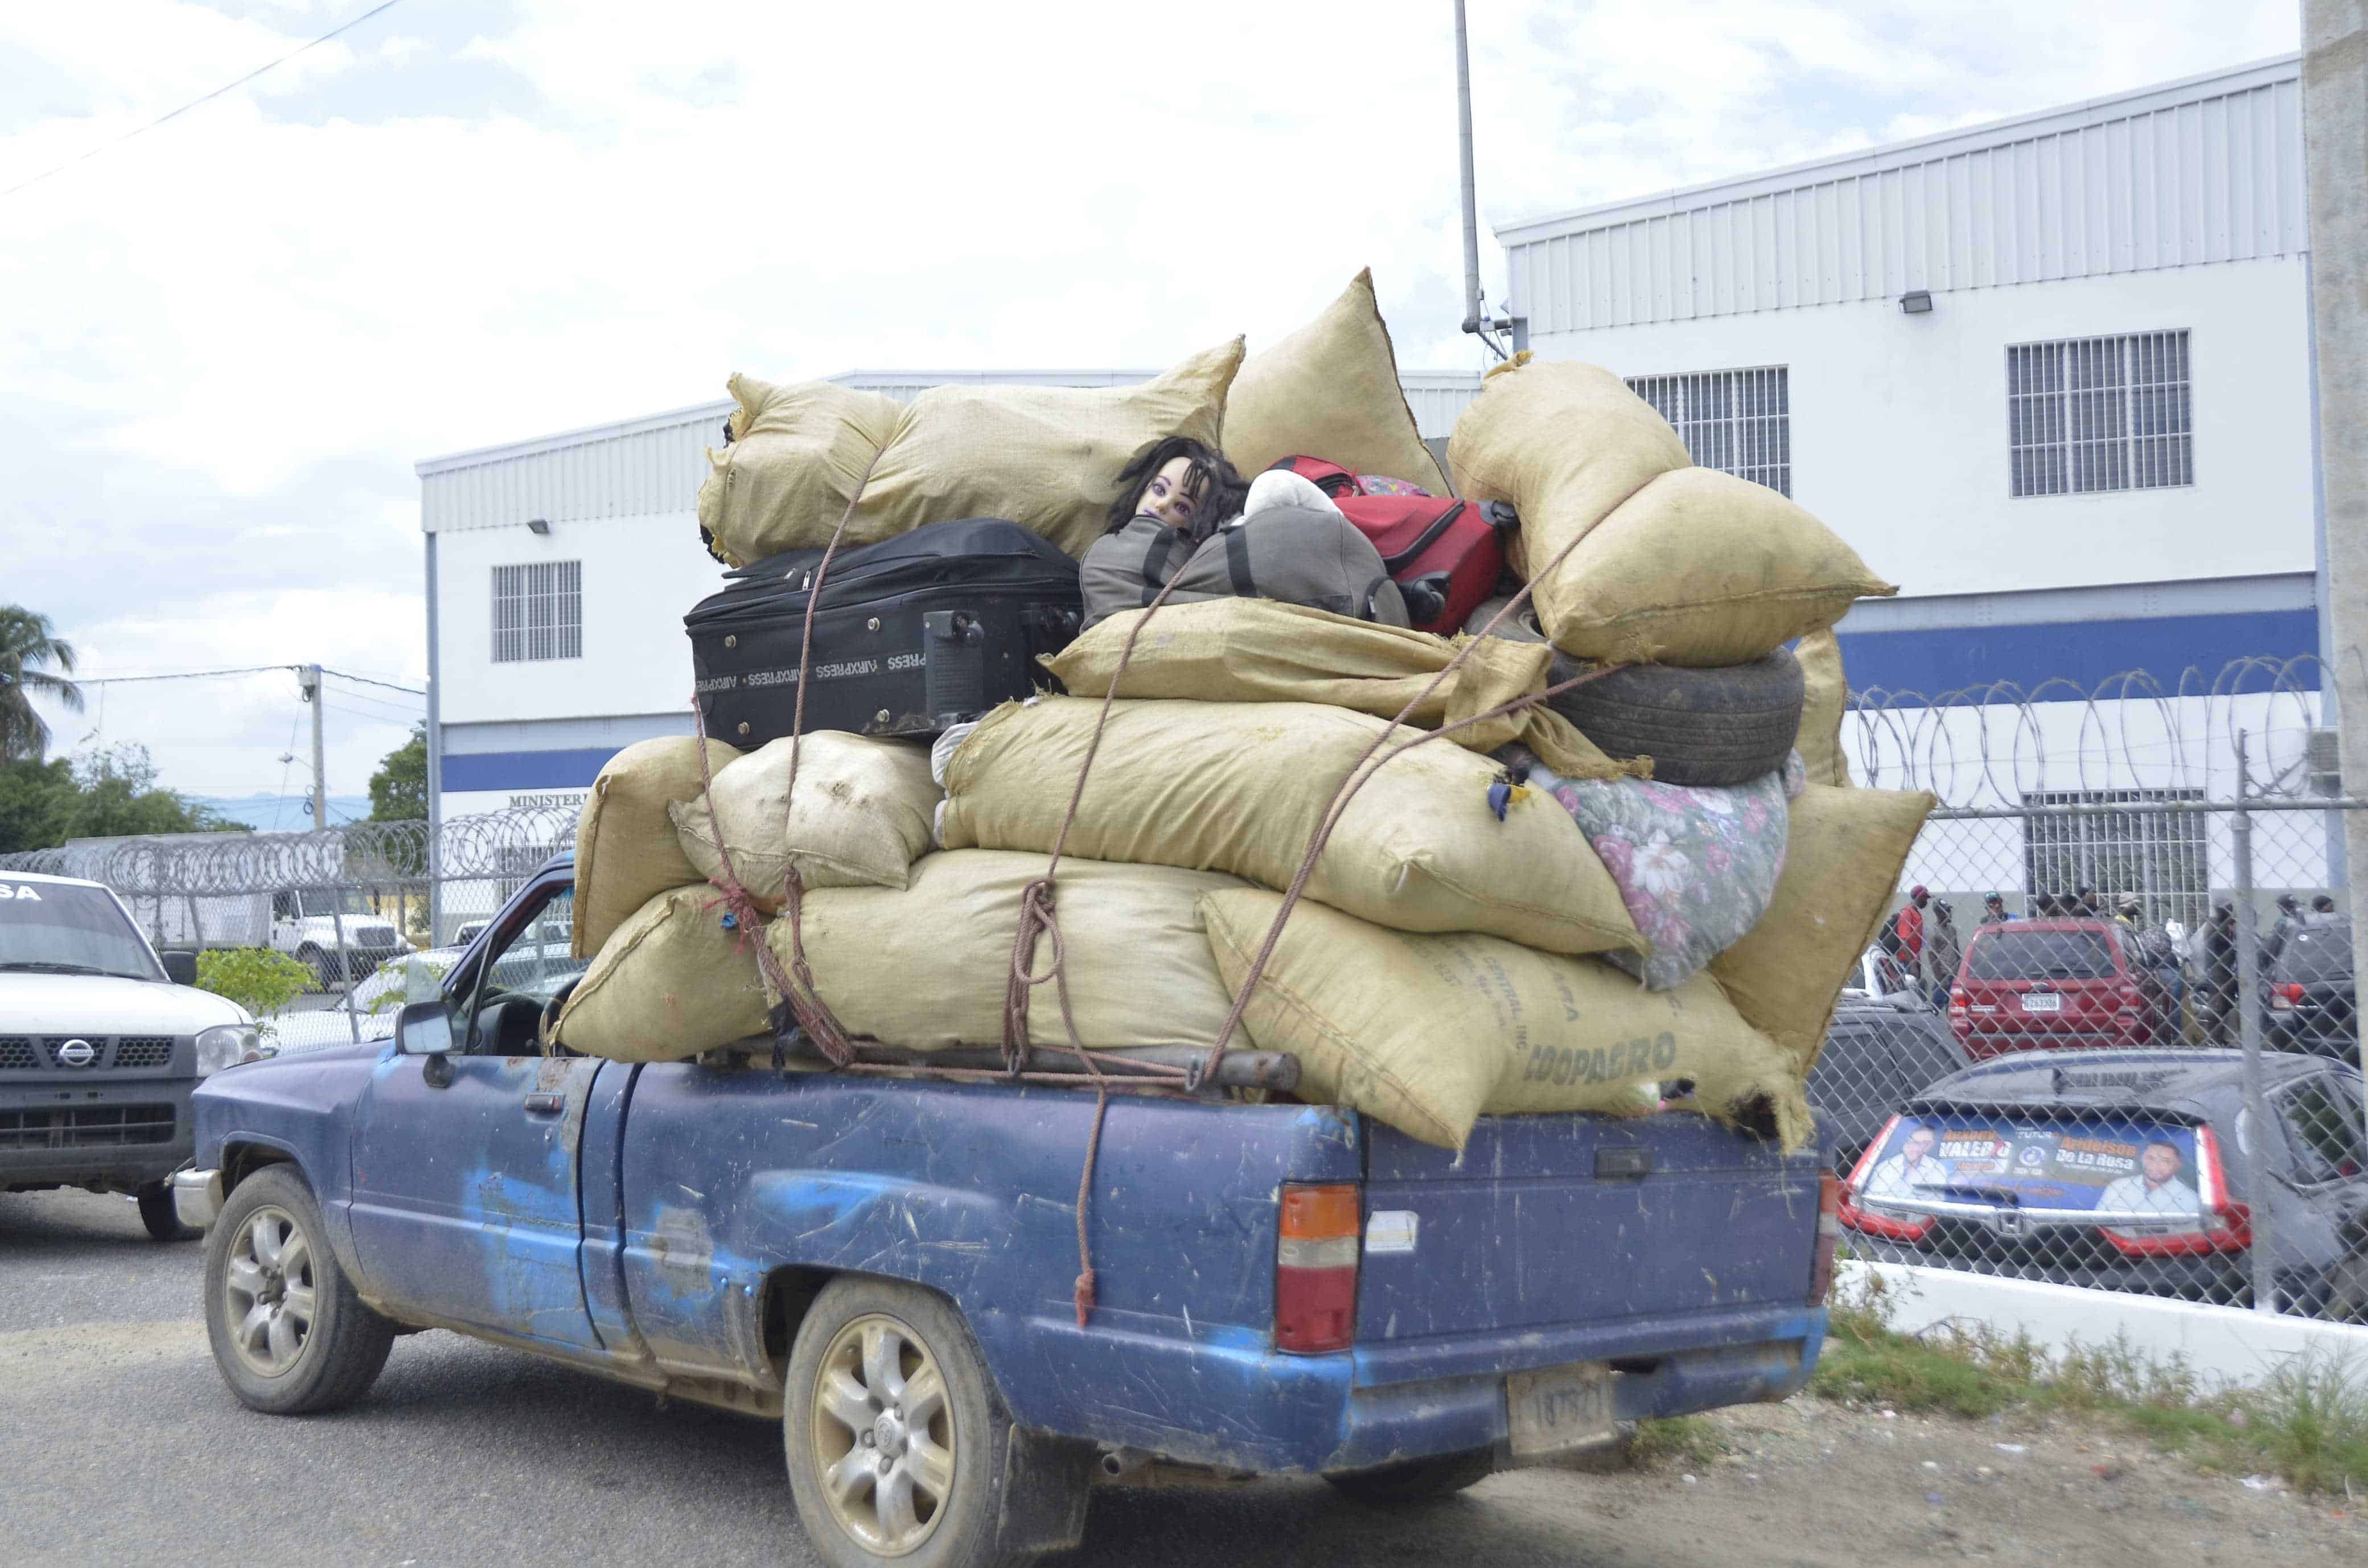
point(1445, 554)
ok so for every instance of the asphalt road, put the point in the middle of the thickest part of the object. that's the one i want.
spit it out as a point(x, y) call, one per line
point(125, 1449)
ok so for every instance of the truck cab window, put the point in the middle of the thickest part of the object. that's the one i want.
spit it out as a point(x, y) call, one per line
point(525, 974)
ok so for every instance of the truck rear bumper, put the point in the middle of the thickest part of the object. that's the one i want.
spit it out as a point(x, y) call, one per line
point(119, 1135)
point(1225, 1398)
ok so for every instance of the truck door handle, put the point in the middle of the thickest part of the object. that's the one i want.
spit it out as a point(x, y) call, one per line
point(545, 1105)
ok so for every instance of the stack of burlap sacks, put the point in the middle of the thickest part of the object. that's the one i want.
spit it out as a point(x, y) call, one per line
point(1439, 966)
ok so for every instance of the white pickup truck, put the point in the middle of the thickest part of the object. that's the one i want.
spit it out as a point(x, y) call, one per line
point(101, 1043)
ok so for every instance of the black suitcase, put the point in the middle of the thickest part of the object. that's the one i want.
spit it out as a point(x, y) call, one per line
point(913, 635)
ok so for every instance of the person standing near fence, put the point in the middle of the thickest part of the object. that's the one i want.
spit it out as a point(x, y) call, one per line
point(1903, 936)
point(2220, 973)
point(1994, 910)
point(1944, 950)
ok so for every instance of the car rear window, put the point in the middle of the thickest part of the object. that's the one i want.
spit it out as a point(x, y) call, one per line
point(2005, 953)
point(2102, 1166)
point(2316, 953)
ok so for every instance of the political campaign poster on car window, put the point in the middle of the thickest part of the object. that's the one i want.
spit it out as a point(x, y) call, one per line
point(2108, 1168)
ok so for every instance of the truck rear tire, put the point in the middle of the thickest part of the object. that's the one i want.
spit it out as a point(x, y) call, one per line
point(288, 1334)
point(157, 1213)
point(898, 1445)
point(1416, 1481)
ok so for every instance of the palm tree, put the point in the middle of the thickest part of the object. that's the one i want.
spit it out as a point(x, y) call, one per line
point(27, 643)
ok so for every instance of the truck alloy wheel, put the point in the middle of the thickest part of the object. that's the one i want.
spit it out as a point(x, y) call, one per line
point(267, 1295)
point(883, 1435)
point(896, 1442)
point(288, 1334)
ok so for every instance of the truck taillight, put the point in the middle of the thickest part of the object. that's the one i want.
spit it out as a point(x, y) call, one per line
point(1873, 1224)
point(2221, 1225)
point(1829, 1237)
point(2286, 998)
point(1315, 1268)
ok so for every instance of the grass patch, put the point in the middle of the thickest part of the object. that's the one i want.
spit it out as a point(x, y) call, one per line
point(1689, 1439)
point(2308, 1424)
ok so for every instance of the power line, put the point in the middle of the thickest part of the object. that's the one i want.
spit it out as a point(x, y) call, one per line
point(181, 675)
point(193, 103)
point(366, 680)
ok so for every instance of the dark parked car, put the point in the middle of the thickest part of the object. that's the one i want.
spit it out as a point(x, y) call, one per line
point(2312, 1004)
point(1883, 1048)
point(2127, 1170)
point(2047, 984)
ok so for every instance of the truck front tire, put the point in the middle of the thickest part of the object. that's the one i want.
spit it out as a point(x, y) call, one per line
point(288, 1331)
point(899, 1450)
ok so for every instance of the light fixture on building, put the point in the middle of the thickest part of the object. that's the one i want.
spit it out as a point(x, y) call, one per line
point(542, 525)
point(1916, 302)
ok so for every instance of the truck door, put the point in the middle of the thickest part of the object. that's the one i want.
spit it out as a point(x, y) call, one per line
point(464, 1191)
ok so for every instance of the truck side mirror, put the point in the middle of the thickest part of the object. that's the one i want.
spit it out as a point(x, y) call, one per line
point(424, 1029)
point(180, 968)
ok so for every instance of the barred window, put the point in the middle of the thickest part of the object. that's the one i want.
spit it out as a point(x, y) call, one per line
point(2096, 413)
point(1739, 422)
point(538, 611)
point(2163, 856)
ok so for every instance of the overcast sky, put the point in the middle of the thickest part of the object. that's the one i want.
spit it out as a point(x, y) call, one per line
point(469, 222)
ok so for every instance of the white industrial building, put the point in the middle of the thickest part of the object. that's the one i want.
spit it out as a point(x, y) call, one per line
point(2052, 375)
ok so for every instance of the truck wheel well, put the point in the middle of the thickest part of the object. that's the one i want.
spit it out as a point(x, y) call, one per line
point(789, 1292)
point(240, 1161)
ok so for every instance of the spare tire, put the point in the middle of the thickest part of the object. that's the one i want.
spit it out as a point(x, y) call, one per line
point(1700, 727)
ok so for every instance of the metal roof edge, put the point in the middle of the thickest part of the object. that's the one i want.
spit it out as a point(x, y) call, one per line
point(478, 456)
point(2081, 112)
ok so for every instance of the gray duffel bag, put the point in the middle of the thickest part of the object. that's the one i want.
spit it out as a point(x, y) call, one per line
point(1301, 556)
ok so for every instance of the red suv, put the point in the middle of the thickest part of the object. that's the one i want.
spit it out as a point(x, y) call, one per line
point(2047, 984)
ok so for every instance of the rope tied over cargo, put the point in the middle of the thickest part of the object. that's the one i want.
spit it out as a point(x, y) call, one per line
point(796, 985)
point(1040, 919)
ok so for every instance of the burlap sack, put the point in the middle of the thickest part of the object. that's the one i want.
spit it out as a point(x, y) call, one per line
point(1046, 458)
point(1428, 1033)
point(923, 967)
point(1826, 697)
point(1704, 569)
point(796, 455)
point(670, 983)
point(1564, 443)
point(1258, 651)
point(860, 817)
point(1842, 861)
point(1330, 389)
point(1240, 786)
point(625, 848)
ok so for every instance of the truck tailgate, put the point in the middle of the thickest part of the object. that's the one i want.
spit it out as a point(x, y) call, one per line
point(1545, 1221)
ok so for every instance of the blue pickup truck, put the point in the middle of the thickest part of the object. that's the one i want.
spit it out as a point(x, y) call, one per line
point(886, 1265)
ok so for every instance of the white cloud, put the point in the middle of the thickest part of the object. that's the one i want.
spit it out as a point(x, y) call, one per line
point(237, 332)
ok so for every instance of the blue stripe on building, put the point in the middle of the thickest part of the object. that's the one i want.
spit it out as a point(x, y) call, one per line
point(2087, 653)
point(524, 769)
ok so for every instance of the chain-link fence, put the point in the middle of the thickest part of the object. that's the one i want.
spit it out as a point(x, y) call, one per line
point(2108, 1036)
point(350, 905)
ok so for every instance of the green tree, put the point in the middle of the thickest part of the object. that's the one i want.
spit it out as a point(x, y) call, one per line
point(110, 792)
point(398, 790)
point(27, 642)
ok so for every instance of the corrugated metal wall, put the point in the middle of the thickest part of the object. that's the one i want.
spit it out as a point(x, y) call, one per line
point(654, 466)
point(2215, 178)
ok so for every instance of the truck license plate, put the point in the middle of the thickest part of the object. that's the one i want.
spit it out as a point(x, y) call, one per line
point(1561, 1409)
point(2040, 1004)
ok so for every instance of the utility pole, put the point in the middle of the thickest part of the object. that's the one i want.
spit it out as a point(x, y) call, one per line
point(308, 677)
point(2335, 155)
